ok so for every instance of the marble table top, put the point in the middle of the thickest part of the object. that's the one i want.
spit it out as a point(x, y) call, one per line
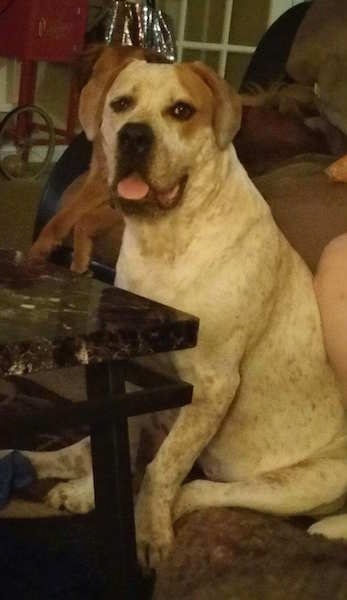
point(51, 318)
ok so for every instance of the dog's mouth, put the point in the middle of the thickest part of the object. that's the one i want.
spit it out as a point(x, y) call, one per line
point(134, 190)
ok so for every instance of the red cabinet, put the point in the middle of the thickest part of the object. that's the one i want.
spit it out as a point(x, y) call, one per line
point(34, 30)
point(47, 30)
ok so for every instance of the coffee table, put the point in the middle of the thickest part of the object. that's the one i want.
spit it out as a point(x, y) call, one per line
point(51, 319)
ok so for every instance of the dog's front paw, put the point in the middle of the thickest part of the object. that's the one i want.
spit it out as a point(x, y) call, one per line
point(80, 265)
point(42, 248)
point(154, 532)
point(76, 496)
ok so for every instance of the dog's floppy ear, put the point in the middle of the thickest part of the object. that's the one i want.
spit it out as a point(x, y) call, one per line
point(84, 63)
point(109, 63)
point(227, 104)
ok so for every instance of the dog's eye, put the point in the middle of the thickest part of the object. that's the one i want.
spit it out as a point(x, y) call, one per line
point(182, 111)
point(121, 104)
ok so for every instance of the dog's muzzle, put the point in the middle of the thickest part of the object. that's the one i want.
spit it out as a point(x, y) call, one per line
point(135, 141)
point(133, 189)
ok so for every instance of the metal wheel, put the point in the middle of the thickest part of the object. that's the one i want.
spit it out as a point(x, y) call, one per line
point(27, 142)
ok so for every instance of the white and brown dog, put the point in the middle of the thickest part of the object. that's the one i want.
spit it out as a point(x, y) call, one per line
point(267, 421)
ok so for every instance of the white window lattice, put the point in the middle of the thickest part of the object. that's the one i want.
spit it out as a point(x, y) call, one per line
point(224, 48)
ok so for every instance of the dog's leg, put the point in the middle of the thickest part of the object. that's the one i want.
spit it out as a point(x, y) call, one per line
point(294, 490)
point(195, 425)
point(76, 496)
point(54, 232)
point(92, 224)
point(88, 198)
point(82, 246)
point(74, 462)
point(71, 462)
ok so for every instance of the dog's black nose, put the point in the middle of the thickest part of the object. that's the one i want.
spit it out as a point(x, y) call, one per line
point(135, 139)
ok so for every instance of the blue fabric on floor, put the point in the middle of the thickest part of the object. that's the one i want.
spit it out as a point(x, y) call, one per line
point(16, 472)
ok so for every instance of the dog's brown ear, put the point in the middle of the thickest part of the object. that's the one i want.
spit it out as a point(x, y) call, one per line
point(110, 62)
point(227, 104)
point(84, 63)
point(108, 65)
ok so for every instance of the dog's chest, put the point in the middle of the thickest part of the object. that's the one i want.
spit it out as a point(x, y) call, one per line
point(166, 277)
point(210, 279)
point(167, 283)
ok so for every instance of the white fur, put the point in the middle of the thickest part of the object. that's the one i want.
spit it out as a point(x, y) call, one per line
point(267, 410)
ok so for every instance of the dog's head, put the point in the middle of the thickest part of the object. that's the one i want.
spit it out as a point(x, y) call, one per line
point(96, 70)
point(158, 123)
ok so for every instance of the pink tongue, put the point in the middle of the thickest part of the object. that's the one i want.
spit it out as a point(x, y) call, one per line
point(133, 188)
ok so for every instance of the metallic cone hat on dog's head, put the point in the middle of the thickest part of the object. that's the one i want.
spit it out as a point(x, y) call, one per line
point(139, 24)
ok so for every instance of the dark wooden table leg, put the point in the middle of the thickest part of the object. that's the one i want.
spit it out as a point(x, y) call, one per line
point(113, 487)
